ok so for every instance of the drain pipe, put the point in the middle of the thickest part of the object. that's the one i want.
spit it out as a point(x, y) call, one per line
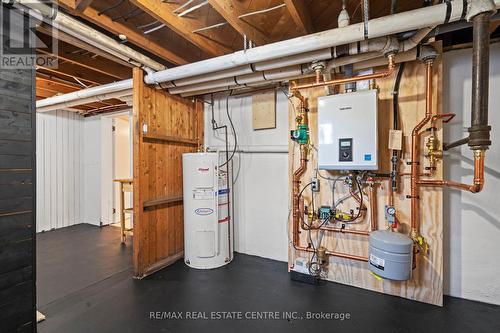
point(379, 27)
point(479, 131)
point(84, 96)
point(75, 28)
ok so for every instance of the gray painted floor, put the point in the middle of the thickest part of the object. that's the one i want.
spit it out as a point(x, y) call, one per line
point(71, 259)
point(121, 304)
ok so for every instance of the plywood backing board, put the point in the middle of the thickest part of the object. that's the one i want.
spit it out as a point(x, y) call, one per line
point(174, 126)
point(426, 284)
point(264, 110)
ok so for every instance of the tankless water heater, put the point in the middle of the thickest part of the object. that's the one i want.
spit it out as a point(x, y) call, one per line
point(347, 131)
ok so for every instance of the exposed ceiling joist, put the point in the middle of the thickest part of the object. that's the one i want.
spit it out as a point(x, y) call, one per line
point(81, 5)
point(133, 36)
point(89, 60)
point(73, 73)
point(300, 15)
point(182, 25)
point(230, 10)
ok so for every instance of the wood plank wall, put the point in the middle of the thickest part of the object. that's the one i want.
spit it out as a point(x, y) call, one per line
point(426, 284)
point(165, 127)
point(60, 162)
point(17, 200)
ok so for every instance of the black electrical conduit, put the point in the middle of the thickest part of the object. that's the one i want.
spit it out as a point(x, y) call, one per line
point(395, 126)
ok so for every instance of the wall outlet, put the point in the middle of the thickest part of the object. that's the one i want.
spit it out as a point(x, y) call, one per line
point(315, 184)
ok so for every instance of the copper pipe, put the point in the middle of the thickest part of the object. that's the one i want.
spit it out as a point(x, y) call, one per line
point(355, 197)
point(372, 197)
point(386, 73)
point(446, 116)
point(335, 254)
point(478, 183)
point(345, 231)
point(297, 212)
point(391, 195)
point(426, 174)
point(415, 145)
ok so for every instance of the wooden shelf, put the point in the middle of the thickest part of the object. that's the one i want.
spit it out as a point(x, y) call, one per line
point(173, 139)
point(164, 200)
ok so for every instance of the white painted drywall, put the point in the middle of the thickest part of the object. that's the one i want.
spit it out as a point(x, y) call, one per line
point(59, 159)
point(471, 221)
point(261, 187)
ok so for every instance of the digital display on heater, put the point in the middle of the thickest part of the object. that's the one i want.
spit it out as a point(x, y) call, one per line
point(345, 143)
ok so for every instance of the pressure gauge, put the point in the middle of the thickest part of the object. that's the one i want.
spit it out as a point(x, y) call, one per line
point(391, 210)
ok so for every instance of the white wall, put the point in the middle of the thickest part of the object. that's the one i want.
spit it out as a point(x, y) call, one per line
point(59, 170)
point(92, 170)
point(122, 153)
point(472, 221)
point(74, 170)
point(261, 188)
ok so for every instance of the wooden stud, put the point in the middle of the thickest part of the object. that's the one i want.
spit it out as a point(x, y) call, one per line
point(134, 36)
point(181, 25)
point(230, 10)
point(300, 15)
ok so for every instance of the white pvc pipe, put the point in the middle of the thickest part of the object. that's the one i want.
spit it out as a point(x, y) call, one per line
point(115, 89)
point(291, 50)
point(247, 79)
point(89, 35)
point(98, 98)
point(378, 44)
point(379, 27)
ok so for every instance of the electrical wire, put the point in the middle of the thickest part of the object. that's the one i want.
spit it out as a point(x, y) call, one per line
point(360, 207)
point(232, 128)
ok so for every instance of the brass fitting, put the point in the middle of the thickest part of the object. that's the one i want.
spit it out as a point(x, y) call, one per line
point(434, 154)
point(322, 258)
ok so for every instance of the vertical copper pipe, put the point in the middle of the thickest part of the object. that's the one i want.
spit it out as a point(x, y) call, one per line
point(415, 147)
point(297, 212)
point(372, 197)
point(390, 195)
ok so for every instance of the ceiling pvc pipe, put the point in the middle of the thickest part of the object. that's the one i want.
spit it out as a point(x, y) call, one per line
point(379, 27)
point(82, 31)
point(98, 98)
point(78, 97)
point(428, 16)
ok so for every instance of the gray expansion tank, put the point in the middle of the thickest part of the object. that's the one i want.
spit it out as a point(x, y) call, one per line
point(390, 255)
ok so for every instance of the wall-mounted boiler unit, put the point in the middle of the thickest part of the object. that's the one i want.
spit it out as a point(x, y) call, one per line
point(347, 131)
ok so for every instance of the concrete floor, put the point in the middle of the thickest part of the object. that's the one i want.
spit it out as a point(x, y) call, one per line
point(249, 284)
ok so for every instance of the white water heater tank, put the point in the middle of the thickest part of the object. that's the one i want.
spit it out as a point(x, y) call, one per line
point(207, 222)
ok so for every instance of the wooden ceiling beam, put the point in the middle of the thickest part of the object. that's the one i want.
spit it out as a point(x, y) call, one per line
point(88, 60)
point(133, 36)
point(300, 15)
point(230, 10)
point(90, 63)
point(183, 26)
point(81, 5)
point(72, 73)
point(54, 86)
